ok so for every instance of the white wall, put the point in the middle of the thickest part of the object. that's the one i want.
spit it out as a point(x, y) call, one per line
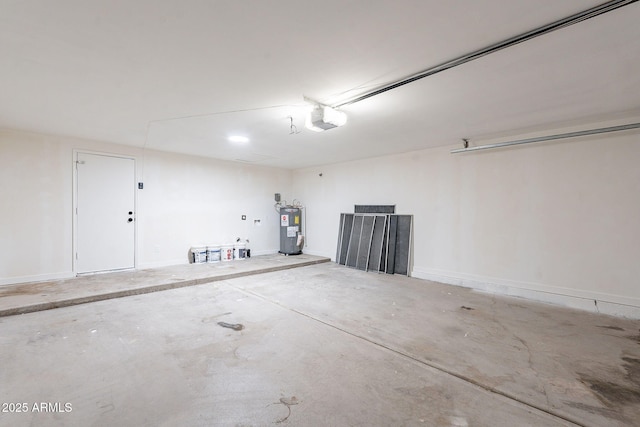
point(185, 201)
point(35, 212)
point(197, 201)
point(556, 221)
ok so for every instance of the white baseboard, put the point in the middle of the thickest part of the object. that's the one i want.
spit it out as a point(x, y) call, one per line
point(140, 266)
point(595, 302)
point(264, 252)
point(315, 253)
point(36, 278)
point(179, 261)
point(159, 264)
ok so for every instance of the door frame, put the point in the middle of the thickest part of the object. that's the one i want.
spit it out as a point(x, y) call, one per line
point(74, 173)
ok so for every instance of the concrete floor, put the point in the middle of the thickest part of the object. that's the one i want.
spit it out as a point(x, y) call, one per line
point(321, 345)
point(31, 297)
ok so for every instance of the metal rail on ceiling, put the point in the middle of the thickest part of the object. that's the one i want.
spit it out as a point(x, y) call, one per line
point(550, 137)
point(562, 23)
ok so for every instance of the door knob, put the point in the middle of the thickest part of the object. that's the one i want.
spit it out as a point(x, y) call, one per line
point(130, 219)
point(130, 213)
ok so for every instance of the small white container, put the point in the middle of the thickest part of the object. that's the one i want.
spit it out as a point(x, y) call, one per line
point(240, 251)
point(213, 253)
point(226, 253)
point(199, 254)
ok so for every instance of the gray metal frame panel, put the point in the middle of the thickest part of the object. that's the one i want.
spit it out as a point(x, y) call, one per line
point(391, 244)
point(377, 242)
point(354, 240)
point(374, 209)
point(364, 245)
point(403, 244)
point(344, 236)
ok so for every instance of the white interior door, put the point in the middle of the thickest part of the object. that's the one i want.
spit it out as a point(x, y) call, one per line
point(105, 213)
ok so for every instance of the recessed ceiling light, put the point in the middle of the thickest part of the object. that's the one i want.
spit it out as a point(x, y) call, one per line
point(238, 139)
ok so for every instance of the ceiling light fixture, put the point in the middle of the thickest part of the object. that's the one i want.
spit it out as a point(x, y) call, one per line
point(323, 117)
point(239, 139)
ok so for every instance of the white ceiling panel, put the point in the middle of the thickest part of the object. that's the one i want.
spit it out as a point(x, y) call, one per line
point(182, 76)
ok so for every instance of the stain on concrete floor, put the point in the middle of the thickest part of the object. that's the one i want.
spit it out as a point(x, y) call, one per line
point(614, 391)
point(614, 328)
point(234, 326)
point(30, 289)
point(398, 335)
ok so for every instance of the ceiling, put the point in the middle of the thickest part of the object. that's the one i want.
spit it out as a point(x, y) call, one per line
point(183, 75)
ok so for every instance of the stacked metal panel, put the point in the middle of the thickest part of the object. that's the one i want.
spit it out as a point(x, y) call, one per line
point(378, 209)
point(375, 242)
